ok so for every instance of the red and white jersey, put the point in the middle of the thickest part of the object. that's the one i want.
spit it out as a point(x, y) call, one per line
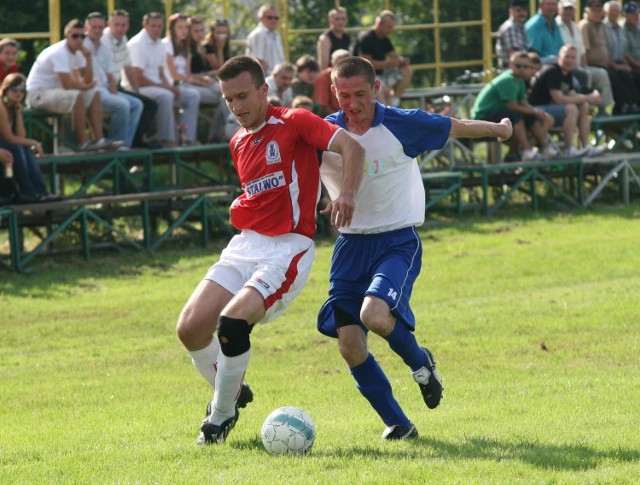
point(279, 171)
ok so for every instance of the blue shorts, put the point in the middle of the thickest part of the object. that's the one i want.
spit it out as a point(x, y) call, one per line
point(555, 110)
point(384, 265)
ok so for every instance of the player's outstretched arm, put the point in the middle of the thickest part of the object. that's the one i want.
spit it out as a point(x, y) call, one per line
point(352, 169)
point(481, 129)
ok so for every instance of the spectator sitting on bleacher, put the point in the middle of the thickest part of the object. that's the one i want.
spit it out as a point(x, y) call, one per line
point(61, 81)
point(200, 67)
point(334, 38)
point(280, 82)
point(512, 36)
point(8, 55)
point(307, 71)
point(8, 192)
point(177, 72)
point(115, 38)
point(302, 102)
point(125, 109)
point(217, 43)
point(392, 69)
point(553, 91)
point(618, 43)
point(631, 12)
point(505, 97)
point(13, 138)
point(148, 61)
point(596, 44)
point(543, 33)
point(264, 42)
point(322, 92)
point(589, 77)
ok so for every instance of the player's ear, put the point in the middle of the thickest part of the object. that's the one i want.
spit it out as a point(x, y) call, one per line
point(334, 91)
point(377, 85)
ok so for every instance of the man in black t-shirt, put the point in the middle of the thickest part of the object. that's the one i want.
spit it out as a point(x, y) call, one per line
point(553, 92)
point(392, 69)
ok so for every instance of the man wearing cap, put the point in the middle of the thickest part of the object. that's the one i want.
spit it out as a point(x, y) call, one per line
point(590, 77)
point(631, 12)
point(543, 33)
point(511, 34)
point(596, 44)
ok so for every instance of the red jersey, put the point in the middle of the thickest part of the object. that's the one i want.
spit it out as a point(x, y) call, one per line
point(279, 171)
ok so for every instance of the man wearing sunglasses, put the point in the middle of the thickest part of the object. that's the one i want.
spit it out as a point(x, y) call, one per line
point(264, 42)
point(61, 81)
point(505, 97)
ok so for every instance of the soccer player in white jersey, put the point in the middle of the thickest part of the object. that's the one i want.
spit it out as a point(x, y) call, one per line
point(378, 256)
point(264, 267)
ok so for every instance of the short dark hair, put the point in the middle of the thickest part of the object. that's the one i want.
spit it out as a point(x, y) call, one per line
point(119, 13)
point(73, 24)
point(96, 15)
point(307, 63)
point(152, 16)
point(353, 66)
point(239, 64)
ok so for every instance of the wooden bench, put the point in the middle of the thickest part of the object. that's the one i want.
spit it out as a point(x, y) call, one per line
point(178, 208)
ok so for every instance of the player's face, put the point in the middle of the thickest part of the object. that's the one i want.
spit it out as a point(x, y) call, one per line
point(356, 97)
point(247, 102)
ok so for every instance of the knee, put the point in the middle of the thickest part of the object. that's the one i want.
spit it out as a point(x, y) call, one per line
point(377, 319)
point(353, 350)
point(233, 334)
point(570, 111)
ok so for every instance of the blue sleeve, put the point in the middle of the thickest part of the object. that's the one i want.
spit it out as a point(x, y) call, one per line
point(417, 130)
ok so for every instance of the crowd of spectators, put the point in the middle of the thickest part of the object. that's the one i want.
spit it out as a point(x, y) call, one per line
point(155, 89)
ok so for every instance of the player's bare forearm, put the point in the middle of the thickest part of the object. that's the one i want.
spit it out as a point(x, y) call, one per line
point(481, 129)
point(352, 169)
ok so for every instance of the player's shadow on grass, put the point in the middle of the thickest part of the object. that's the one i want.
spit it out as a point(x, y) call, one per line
point(572, 457)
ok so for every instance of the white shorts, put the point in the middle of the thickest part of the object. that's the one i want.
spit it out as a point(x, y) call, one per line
point(58, 100)
point(276, 266)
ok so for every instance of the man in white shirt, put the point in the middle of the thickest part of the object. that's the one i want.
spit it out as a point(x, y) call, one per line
point(280, 82)
point(115, 38)
point(264, 42)
point(61, 81)
point(148, 59)
point(125, 110)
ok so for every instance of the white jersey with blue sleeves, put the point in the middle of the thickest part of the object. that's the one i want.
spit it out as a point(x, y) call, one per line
point(391, 195)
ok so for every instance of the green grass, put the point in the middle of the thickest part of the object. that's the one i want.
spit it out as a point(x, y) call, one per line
point(534, 321)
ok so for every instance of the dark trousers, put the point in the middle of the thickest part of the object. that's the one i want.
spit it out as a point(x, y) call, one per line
point(149, 110)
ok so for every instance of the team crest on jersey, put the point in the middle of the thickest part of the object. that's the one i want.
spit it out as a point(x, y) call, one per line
point(273, 153)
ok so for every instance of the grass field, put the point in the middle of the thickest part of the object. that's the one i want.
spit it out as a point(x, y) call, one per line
point(534, 321)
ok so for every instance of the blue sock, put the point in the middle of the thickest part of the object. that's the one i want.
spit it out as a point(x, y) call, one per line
point(375, 387)
point(403, 342)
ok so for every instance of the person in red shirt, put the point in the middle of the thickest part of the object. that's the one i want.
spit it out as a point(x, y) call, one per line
point(322, 93)
point(8, 55)
point(262, 269)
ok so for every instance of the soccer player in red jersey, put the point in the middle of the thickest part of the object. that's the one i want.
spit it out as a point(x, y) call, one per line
point(264, 267)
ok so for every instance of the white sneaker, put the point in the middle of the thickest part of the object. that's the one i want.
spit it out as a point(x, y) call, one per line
point(573, 152)
point(596, 151)
point(549, 152)
point(529, 155)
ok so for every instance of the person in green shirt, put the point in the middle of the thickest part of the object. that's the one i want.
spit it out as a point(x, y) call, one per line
point(505, 97)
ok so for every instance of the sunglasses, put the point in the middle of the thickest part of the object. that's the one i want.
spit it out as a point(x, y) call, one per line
point(523, 66)
point(78, 36)
point(17, 89)
point(272, 17)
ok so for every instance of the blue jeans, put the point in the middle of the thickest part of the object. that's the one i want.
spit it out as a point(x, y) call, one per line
point(125, 114)
point(26, 170)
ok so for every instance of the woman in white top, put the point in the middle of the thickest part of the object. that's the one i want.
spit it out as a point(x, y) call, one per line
point(177, 72)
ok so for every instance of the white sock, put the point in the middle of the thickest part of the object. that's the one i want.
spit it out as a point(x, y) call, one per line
point(206, 359)
point(231, 372)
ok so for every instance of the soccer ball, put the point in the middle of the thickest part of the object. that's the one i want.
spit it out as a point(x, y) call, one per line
point(288, 430)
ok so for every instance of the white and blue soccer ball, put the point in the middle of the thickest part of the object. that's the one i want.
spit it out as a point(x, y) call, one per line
point(288, 430)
